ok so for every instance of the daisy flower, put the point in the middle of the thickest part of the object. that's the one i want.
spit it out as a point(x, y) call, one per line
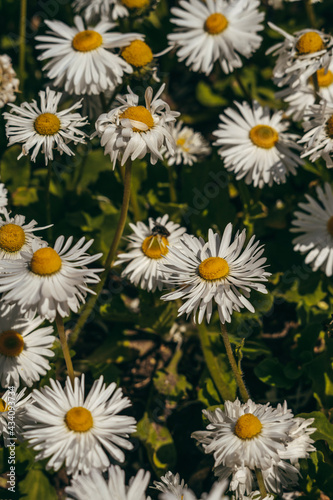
point(171, 483)
point(318, 137)
point(16, 236)
point(148, 245)
point(13, 401)
point(215, 271)
point(9, 84)
point(100, 9)
point(3, 197)
point(95, 486)
point(302, 97)
point(132, 131)
point(76, 430)
point(44, 127)
point(81, 59)
point(300, 55)
point(191, 146)
point(255, 145)
point(140, 56)
point(216, 31)
point(24, 349)
point(315, 220)
point(216, 493)
point(49, 281)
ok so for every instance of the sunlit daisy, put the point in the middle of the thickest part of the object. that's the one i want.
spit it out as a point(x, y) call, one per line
point(13, 402)
point(132, 131)
point(81, 59)
point(80, 431)
point(170, 483)
point(44, 127)
point(148, 245)
point(216, 31)
point(217, 271)
point(256, 146)
point(318, 137)
point(315, 220)
point(3, 197)
point(9, 83)
point(191, 146)
point(16, 236)
point(300, 98)
point(100, 9)
point(300, 55)
point(86, 487)
point(24, 349)
point(49, 281)
point(216, 493)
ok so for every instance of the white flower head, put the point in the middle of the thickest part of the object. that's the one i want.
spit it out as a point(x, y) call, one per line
point(318, 137)
point(13, 402)
point(315, 220)
point(100, 9)
point(93, 485)
point(68, 427)
point(43, 128)
point(49, 281)
point(216, 31)
point(16, 236)
point(300, 55)
point(217, 271)
point(148, 245)
point(3, 197)
point(171, 483)
point(9, 84)
point(255, 145)
point(216, 493)
point(191, 146)
point(132, 131)
point(81, 60)
point(24, 348)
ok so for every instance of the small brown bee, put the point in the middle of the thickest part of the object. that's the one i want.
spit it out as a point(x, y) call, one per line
point(159, 230)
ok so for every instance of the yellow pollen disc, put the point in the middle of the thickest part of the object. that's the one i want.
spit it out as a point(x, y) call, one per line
point(330, 226)
point(155, 246)
point(137, 54)
point(11, 343)
point(216, 23)
point(79, 419)
point(213, 268)
point(87, 40)
point(45, 261)
point(329, 126)
point(309, 42)
point(248, 426)
point(139, 114)
point(47, 124)
point(12, 237)
point(181, 141)
point(3, 405)
point(264, 136)
point(324, 80)
point(135, 4)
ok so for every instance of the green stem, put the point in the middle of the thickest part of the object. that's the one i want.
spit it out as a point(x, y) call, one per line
point(103, 102)
point(65, 348)
point(23, 21)
point(261, 483)
point(241, 386)
point(212, 364)
point(111, 255)
point(135, 205)
point(310, 13)
point(172, 189)
point(48, 201)
point(241, 85)
point(316, 87)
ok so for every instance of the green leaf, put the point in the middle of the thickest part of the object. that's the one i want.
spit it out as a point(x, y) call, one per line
point(15, 173)
point(36, 485)
point(271, 372)
point(207, 97)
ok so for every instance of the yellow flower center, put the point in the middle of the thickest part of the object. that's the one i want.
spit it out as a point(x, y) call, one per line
point(329, 127)
point(87, 40)
point(45, 261)
point(248, 426)
point(216, 23)
point(264, 136)
point(139, 114)
point(12, 237)
point(155, 246)
point(309, 42)
point(137, 54)
point(324, 80)
point(3, 406)
point(79, 419)
point(47, 124)
point(135, 4)
point(11, 343)
point(213, 268)
point(330, 226)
